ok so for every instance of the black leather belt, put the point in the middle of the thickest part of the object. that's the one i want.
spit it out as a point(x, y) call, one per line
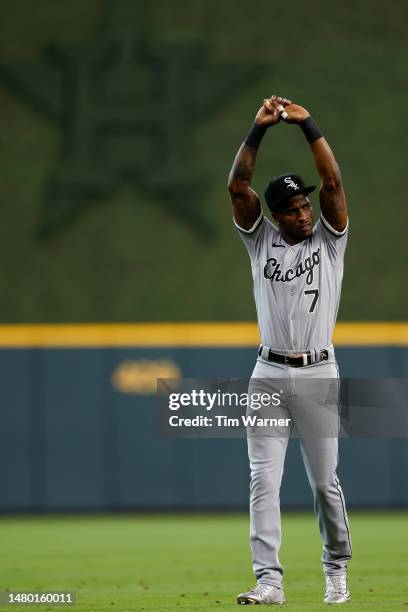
point(294, 361)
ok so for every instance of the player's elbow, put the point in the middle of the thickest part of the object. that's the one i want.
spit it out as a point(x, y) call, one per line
point(332, 183)
point(234, 187)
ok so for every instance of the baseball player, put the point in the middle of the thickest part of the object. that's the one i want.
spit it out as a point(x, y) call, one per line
point(297, 270)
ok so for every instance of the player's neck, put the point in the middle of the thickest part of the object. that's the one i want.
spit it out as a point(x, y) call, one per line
point(287, 238)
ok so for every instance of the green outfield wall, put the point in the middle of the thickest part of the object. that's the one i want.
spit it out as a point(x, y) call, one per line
point(120, 121)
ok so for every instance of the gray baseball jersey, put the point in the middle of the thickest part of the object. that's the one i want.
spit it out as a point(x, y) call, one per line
point(296, 287)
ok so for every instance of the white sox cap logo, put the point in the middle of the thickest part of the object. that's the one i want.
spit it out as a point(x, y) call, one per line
point(291, 183)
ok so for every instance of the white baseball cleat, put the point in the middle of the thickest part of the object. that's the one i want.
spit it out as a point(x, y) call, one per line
point(262, 594)
point(336, 590)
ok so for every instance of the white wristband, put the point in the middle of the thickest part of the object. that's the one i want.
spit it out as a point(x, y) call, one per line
point(282, 111)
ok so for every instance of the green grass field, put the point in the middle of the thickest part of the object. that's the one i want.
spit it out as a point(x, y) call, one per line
point(188, 562)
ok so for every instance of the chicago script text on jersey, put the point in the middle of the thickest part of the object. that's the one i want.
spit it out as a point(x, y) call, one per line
point(273, 272)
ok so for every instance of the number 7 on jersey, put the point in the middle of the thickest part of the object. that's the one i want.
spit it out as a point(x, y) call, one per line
point(315, 293)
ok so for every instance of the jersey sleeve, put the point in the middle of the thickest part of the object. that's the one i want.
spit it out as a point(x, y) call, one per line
point(254, 237)
point(336, 241)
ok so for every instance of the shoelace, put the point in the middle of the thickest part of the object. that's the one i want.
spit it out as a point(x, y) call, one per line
point(336, 584)
point(261, 589)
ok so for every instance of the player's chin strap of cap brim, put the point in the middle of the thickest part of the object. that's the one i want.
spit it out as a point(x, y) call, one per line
point(296, 360)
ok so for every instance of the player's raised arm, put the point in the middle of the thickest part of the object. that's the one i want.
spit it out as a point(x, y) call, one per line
point(245, 201)
point(332, 197)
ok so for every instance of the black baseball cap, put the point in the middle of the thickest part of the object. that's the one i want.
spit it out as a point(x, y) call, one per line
point(283, 187)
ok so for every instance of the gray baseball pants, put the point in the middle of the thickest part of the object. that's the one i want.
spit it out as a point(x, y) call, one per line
point(266, 453)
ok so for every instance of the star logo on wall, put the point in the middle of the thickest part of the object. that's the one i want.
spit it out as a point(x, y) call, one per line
point(128, 106)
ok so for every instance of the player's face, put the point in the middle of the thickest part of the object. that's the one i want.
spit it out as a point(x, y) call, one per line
point(296, 219)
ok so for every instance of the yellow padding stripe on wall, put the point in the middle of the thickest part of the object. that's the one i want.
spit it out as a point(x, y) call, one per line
point(183, 334)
